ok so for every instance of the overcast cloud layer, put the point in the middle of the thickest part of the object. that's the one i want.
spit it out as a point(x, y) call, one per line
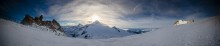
point(123, 13)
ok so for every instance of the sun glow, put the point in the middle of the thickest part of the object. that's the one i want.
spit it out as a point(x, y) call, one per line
point(95, 18)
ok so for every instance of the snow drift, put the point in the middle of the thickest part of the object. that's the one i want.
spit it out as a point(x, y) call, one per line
point(200, 33)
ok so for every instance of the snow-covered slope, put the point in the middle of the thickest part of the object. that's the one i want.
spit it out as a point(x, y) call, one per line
point(201, 33)
point(95, 30)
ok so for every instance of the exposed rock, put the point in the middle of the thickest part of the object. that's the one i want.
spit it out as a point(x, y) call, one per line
point(116, 28)
point(54, 25)
point(180, 22)
point(28, 20)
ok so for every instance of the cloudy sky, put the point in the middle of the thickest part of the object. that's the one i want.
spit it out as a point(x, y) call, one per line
point(119, 13)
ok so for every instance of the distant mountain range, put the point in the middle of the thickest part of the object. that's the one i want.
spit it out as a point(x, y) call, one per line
point(95, 30)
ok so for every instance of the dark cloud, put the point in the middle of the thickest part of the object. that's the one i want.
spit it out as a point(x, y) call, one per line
point(124, 13)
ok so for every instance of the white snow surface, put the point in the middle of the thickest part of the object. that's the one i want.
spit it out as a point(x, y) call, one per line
point(203, 32)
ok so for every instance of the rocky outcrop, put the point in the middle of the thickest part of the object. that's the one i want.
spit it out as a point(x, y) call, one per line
point(54, 25)
point(181, 22)
point(28, 20)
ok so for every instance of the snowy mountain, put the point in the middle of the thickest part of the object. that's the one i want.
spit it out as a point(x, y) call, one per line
point(205, 32)
point(95, 30)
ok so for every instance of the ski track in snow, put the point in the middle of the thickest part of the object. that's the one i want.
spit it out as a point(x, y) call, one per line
point(201, 33)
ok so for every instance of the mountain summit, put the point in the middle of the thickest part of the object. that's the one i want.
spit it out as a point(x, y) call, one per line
point(97, 23)
point(96, 30)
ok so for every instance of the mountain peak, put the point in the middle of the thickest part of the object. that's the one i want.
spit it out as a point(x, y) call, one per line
point(96, 22)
